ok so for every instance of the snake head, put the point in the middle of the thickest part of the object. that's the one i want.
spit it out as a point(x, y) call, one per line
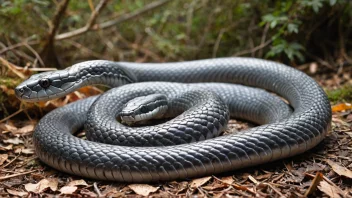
point(144, 108)
point(46, 86)
point(55, 84)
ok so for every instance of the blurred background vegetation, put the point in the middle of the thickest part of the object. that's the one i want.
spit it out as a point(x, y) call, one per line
point(292, 31)
point(312, 35)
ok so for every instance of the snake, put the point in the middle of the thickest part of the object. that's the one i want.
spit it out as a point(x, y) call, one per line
point(283, 132)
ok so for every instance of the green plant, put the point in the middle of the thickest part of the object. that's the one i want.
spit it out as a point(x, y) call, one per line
point(286, 20)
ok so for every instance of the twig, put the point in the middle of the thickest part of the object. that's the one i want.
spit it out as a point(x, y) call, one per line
point(35, 53)
point(190, 18)
point(54, 24)
point(265, 32)
point(321, 61)
point(221, 33)
point(141, 49)
point(84, 49)
point(4, 61)
point(342, 43)
point(48, 52)
point(15, 175)
point(254, 49)
point(10, 162)
point(10, 116)
point(96, 189)
point(111, 23)
point(18, 45)
point(207, 28)
point(11, 67)
point(90, 22)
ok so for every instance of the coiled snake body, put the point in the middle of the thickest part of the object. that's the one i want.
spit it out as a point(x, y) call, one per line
point(283, 134)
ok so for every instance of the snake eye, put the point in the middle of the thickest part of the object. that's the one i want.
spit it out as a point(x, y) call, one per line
point(21, 90)
point(144, 109)
point(45, 83)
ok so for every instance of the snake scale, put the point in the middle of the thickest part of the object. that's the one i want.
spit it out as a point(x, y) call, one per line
point(283, 133)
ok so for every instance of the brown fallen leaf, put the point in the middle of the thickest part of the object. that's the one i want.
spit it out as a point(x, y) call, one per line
point(80, 182)
point(199, 182)
point(264, 176)
point(88, 193)
point(15, 141)
point(5, 148)
point(215, 186)
point(24, 150)
point(227, 180)
point(24, 130)
point(143, 189)
point(16, 193)
point(42, 185)
point(330, 190)
point(317, 179)
point(340, 169)
point(68, 190)
point(7, 127)
point(3, 158)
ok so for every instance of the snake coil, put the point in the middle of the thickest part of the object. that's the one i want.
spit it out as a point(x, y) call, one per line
point(279, 138)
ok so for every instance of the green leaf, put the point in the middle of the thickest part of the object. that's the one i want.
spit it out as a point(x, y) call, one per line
point(314, 4)
point(332, 2)
point(291, 27)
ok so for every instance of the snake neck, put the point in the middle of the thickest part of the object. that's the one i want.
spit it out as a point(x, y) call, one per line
point(101, 72)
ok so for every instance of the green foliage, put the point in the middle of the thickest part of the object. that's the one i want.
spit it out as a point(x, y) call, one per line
point(343, 94)
point(292, 50)
point(286, 21)
point(183, 29)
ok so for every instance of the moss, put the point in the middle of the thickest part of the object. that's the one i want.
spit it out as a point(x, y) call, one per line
point(343, 94)
point(10, 83)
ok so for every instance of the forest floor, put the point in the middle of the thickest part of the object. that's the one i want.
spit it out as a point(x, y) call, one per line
point(324, 171)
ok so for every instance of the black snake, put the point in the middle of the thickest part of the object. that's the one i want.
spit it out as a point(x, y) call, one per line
point(283, 134)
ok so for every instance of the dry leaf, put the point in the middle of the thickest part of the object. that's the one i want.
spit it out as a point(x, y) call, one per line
point(317, 179)
point(227, 180)
point(5, 148)
point(340, 169)
point(24, 130)
point(199, 182)
point(3, 158)
point(7, 127)
point(215, 186)
point(88, 193)
point(80, 182)
point(349, 133)
point(15, 141)
point(265, 176)
point(143, 189)
point(24, 150)
point(341, 107)
point(68, 190)
point(328, 189)
point(42, 185)
point(250, 177)
point(16, 193)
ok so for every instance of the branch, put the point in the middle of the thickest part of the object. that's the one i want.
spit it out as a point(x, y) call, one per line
point(262, 45)
point(91, 26)
point(48, 53)
point(54, 24)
